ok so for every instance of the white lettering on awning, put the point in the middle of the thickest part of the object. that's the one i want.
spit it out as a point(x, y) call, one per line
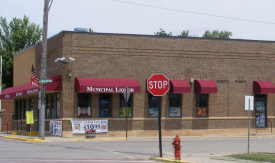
point(109, 90)
point(7, 96)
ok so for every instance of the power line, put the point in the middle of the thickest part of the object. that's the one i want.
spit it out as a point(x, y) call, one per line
point(197, 13)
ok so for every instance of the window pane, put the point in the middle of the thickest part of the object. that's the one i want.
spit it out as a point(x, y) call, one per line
point(122, 108)
point(31, 104)
point(24, 109)
point(153, 105)
point(260, 111)
point(47, 107)
point(174, 105)
point(52, 107)
point(58, 106)
point(201, 105)
point(84, 109)
point(105, 105)
point(16, 116)
point(20, 110)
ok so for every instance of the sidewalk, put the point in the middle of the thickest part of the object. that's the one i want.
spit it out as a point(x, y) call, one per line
point(51, 138)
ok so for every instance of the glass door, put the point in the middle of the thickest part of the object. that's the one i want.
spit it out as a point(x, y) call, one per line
point(260, 111)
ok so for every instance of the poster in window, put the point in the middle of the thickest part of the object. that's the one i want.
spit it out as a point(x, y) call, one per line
point(56, 128)
point(52, 112)
point(260, 119)
point(84, 112)
point(58, 106)
point(174, 111)
point(260, 106)
point(48, 113)
point(201, 111)
point(153, 112)
point(122, 112)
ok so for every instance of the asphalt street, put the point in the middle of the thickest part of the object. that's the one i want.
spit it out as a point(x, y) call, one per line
point(195, 150)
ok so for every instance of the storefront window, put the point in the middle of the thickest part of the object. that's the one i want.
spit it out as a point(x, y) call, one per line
point(58, 106)
point(122, 107)
point(52, 106)
point(16, 110)
point(174, 105)
point(30, 104)
point(153, 105)
point(105, 105)
point(84, 109)
point(47, 109)
point(260, 111)
point(20, 110)
point(201, 105)
point(24, 109)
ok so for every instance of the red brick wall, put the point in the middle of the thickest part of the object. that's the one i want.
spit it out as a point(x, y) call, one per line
point(232, 64)
point(7, 105)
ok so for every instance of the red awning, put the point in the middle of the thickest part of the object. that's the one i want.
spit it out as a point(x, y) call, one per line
point(205, 86)
point(28, 89)
point(263, 87)
point(104, 85)
point(55, 85)
point(179, 86)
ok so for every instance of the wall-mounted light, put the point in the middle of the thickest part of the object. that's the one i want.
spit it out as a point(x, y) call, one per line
point(65, 62)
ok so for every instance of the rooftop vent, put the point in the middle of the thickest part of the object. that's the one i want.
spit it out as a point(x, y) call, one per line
point(80, 30)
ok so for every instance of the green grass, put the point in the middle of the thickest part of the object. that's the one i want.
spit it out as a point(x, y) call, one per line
point(256, 157)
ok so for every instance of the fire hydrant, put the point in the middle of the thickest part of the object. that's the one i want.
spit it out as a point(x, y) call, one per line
point(177, 147)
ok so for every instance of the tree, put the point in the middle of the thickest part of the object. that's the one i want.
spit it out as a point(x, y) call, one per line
point(15, 36)
point(162, 33)
point(185, 33)
point(90, 30)
point(217, 34)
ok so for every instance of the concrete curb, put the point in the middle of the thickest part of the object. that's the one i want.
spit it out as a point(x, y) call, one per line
point(24, 139)
point(171, 160)
point(100, 139)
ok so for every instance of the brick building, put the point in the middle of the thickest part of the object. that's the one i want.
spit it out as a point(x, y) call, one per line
point(209, 80)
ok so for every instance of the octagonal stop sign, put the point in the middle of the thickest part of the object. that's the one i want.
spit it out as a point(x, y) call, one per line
point(158, 84)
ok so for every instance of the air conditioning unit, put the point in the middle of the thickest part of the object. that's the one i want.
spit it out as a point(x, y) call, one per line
point(80, 30)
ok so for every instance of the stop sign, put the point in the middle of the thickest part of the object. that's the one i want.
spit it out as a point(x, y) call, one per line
point(158, 84)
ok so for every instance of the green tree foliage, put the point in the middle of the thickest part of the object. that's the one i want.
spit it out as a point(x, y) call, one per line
point(217, 34)
point(163, 33)
point(15, 36)
point(90, 30)
point(185, 33)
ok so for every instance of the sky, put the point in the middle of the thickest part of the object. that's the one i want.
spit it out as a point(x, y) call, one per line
point(246, 19)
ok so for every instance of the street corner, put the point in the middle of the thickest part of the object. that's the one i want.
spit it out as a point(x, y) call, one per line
point(24, 139)
point(36, 140)
point(171, 160)
point(10, 137)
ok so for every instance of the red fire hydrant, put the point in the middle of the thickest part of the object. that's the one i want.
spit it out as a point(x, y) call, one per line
point(177, 147)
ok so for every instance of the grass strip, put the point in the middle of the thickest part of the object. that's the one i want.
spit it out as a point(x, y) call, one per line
point(265, 157)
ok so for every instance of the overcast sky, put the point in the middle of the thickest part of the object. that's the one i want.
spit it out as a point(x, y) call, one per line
point(246, 19)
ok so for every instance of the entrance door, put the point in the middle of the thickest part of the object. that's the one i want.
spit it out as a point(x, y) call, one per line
point(260, 111)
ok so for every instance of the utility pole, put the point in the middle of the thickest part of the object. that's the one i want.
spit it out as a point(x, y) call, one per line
point(43, 72)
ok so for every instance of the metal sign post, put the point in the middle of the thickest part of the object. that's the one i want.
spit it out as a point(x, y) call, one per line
point(126, 95)
point(248, 127)
point(158, 85)
point(159, 124)
point(29, 120)
point(249, 105)
point(30, 131)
